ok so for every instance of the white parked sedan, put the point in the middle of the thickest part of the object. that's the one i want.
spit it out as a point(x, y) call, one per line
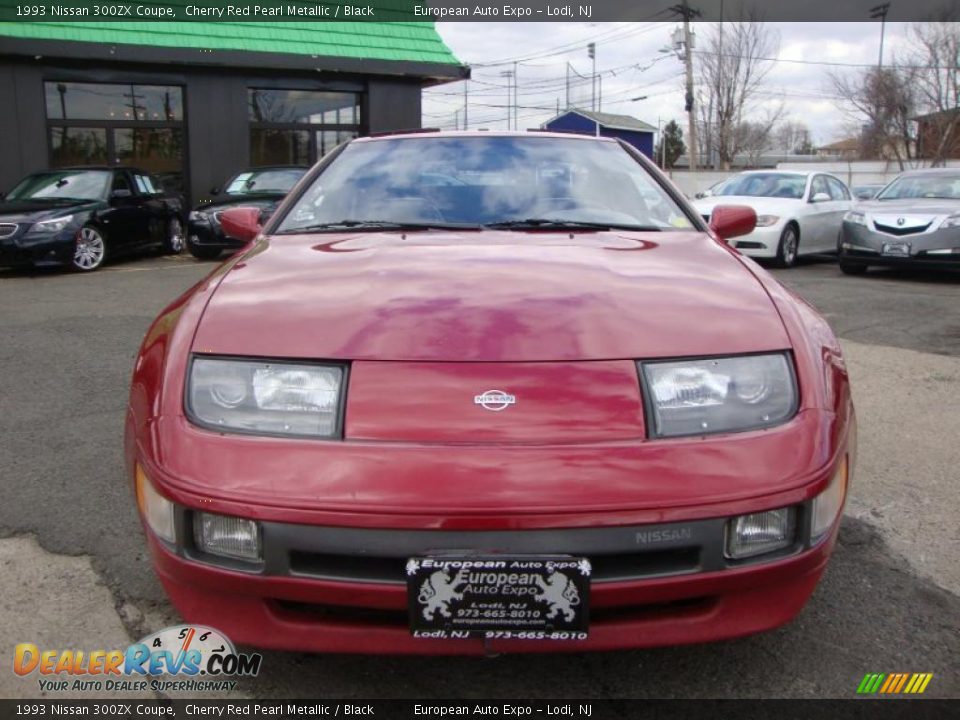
point(798, 213)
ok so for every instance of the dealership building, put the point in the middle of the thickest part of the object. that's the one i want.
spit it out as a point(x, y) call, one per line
point(195, 102)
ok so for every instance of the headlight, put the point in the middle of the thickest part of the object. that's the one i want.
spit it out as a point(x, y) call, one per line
point(828, 504)
point(767, 220)
point(856, 217)
point(759, 533)
point(951, 221)
point(227, 536)
point(714, 395)
point(51, 226)
point(156, 509)
point(265, 397)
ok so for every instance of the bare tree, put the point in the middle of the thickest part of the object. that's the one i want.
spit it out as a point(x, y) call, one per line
point(791, 138)
point(934, 59)
point(733, 65)
point(883, 101)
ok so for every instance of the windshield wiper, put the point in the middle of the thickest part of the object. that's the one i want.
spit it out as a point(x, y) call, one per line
point(550, 223)
point(376, 225)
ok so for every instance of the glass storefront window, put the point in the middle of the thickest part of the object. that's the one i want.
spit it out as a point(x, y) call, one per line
point(78, 146)
point(107, 101)
point(303, 106)
point(327, 140)
point(279, 147)
point(159, 151)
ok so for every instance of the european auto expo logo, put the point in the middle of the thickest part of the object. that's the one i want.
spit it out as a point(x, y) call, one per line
point(181, 651)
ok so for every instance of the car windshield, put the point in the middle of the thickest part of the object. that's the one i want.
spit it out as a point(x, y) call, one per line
point(279, 180)
point(472, 181)
point(940, 187)
point(777, 185)
point(63, 185)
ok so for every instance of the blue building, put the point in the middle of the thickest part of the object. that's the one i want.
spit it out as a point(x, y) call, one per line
point(629, 129)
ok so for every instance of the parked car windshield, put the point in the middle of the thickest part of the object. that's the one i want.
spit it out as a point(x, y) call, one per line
point(939, 186)
point(63, 185)
point(778, 185)
point(481, 181)
point(265, 181)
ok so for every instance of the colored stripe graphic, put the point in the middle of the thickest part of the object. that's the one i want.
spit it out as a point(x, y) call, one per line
point(894, 683)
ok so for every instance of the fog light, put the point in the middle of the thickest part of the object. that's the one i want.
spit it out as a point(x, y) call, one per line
point(759, 533)
point(828, 504)
point(231, 537)
point(156, 509)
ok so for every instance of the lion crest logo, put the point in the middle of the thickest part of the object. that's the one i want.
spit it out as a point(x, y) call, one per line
point(437, 591)
point(560, 593)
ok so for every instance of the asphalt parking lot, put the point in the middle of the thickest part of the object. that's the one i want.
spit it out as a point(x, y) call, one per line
point(76, 573)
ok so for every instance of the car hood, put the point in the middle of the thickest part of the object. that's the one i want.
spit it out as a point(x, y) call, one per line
point(762, 205)
point(489, 296)
point(31, 211)
point(911, 206)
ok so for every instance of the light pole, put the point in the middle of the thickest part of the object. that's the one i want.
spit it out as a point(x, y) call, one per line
point(880, 11)
point(592, 54)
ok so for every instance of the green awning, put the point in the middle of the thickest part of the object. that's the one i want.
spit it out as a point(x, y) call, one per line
point(385, 41)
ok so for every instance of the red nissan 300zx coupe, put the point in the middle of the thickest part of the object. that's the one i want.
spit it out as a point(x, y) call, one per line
point(489, 392)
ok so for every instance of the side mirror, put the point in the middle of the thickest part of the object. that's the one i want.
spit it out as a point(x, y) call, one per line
point(242, 223)
point(214, 191)
point(730, 221)
point(120, 194)
point(820, 197)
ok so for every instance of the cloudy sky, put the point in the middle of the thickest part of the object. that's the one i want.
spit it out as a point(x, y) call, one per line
point(631, 65)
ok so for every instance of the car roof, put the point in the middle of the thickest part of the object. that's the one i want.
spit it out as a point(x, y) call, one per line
point(262, 168)
point(430, 132)
point(774, 171)
point(98, 167)
point(930, 171)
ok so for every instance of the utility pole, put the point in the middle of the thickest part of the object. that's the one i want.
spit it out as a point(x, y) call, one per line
point(509, 75)
point(880, 11)
point(516, 118)
point(466, 102)
point(592, 54)
point(687, 12)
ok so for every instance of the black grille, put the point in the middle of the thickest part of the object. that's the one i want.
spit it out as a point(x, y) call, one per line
point(7, 229)
point(399, 618)
point(606, 568)
point(900, 231)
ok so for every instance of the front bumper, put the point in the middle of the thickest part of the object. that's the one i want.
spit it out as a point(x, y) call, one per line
point(208, 234)
point(326, 588)
point(761, 243)
point(862, 244)
point(304, 614)
point(56, 250)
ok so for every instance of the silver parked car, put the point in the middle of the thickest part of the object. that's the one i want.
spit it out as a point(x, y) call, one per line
point(915, 220)
point(798, 212)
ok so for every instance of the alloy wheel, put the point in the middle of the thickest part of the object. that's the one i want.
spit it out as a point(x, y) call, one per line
point(90, 250)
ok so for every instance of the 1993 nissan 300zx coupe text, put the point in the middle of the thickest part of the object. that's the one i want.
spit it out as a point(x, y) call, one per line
point(481, 392)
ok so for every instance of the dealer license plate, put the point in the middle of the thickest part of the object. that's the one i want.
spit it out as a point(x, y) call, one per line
point(524, 598)
point(896, 249)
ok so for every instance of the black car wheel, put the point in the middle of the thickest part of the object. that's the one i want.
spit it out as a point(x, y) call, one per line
point(90, 251)
point(175, 238)
point(787, 248)
point(204, 252)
